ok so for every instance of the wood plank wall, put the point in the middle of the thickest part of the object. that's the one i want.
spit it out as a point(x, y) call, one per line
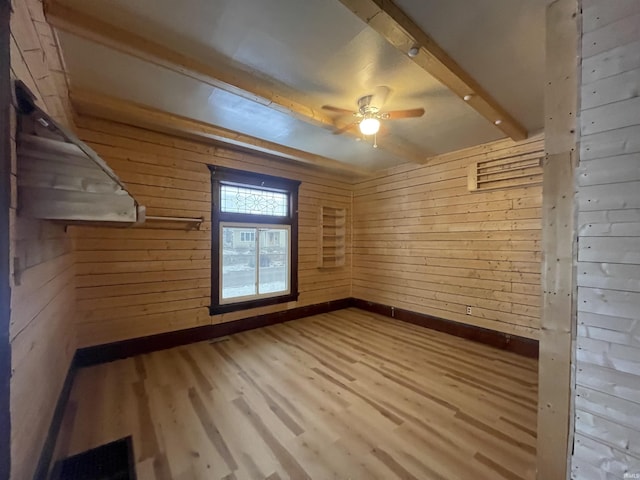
point(43, 289)
point(423, 242)
point(607, 397)
point(561, 105)
point(156, 278)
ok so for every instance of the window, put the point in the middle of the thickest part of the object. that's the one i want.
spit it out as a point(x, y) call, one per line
point(246, 236)
point(254, 255)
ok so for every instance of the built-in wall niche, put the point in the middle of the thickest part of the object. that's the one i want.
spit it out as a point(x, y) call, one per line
point(333, 237)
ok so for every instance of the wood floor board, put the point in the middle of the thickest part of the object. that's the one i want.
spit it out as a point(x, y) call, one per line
point(406, 343)
point(344, 395)
point(425, 367)
point(442, 455)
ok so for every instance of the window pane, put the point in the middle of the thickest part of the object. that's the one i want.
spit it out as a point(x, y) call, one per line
point(274, 262)
point(238, 262)
point(253, 201)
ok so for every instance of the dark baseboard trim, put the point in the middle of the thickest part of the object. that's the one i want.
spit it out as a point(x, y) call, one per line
point(522, 346)
point(46, 455)
point(136, 346)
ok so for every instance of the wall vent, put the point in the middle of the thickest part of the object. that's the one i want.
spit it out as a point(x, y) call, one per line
point(515, 171)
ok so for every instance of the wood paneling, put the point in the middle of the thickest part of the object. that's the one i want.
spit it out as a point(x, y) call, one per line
point(507, 341)
point(558, 238)
point(43, 288)
point(109, 352)
point(347, 394)
point(422, 242)
point(156, 278)
point(608, 275)
point(36, 60)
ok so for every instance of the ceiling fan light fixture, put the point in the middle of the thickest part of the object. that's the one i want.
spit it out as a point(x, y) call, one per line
point(370, 126)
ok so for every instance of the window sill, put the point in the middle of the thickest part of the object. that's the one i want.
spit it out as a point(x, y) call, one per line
point(234, 307)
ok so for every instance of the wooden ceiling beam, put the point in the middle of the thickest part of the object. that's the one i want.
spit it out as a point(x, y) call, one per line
point(97, 105)
point(227, 78)
point(386, 18)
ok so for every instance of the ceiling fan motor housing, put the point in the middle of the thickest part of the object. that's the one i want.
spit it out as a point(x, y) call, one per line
point(365, 108)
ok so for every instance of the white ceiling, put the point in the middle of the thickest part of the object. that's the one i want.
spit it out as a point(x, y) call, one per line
point(500, 43)
point(317, 52)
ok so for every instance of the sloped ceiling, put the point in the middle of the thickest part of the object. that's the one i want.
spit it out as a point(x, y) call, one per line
point(313, 53)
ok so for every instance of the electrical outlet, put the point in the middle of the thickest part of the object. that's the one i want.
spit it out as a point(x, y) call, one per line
point(468, 310)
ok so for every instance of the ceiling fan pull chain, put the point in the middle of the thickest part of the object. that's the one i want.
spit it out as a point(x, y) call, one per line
point(375, 140)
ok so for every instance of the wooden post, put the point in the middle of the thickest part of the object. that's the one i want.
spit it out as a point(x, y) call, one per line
point(5, 200)
point(558, 239)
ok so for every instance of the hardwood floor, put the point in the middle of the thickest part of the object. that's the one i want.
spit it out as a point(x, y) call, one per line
point(344, 395)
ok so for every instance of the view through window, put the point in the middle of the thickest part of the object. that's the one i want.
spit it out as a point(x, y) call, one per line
point(255, 261)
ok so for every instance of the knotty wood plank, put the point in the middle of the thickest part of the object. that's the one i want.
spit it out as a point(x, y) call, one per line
point(171, 177)
point(423, 242)
point(608, 353)
point(43, 333)
point(558, 232)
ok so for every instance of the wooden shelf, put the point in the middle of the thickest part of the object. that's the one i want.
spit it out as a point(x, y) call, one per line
point(333, 234)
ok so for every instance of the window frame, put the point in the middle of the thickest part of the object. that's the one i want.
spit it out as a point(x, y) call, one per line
point(231, 176)
point(256, 296)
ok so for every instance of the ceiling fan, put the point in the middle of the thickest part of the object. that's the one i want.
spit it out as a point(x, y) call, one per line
point(369, 113)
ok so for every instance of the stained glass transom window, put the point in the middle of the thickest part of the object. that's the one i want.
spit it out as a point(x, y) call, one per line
point(234, 199)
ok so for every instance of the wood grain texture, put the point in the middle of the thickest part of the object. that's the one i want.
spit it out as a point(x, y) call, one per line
point(111, 108)
point(36, 60)
point(398, 29)
point(155, 279)
point(225, 77)
point(109, 352)
point(43, 288)
point(520, 345)
point(607, 350)
point(558, 238)
point(347, 394)
point(423, 242)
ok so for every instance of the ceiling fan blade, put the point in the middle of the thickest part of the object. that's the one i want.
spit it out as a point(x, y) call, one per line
point(412, 113)
point(345, 128)
point(336, 109)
